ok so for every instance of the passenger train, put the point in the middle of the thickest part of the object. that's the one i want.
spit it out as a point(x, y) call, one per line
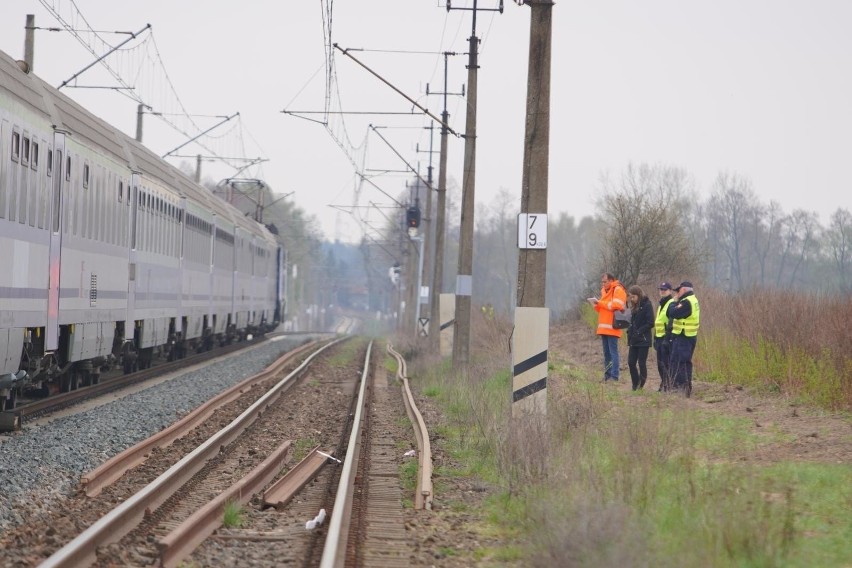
point(110, 255)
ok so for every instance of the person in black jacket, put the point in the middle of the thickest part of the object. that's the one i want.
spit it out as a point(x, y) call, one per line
point(663, 337)
point(639, 335)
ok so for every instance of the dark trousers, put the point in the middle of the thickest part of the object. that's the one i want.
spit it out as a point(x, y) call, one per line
point(681, 363)
point(663, 348)
point(638, 357)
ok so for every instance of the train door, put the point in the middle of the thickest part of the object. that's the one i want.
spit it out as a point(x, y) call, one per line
point(235, 281)
point(55, 251)
point(133, 198)
point(281, 285)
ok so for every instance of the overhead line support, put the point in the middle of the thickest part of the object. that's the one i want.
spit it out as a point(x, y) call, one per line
point(386, 82)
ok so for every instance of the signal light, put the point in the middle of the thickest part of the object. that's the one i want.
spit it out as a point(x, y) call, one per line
point(412, 217)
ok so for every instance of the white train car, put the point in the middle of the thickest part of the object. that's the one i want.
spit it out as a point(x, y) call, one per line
point(112, 255)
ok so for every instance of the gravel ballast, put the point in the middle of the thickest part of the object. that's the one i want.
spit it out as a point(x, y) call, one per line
point(44, 460)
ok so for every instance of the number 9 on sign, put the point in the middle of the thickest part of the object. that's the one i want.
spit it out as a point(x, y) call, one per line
point(532, 230)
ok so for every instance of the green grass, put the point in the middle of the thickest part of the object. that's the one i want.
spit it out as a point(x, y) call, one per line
point(233, 515)
point(720, 435)
point(767, 367)
point(432, 391)
point(391, 365)
point(408, 474)
point(302, 447)
point(650, 483)
point(345, 352)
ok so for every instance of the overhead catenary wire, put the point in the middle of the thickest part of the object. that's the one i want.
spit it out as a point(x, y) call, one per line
point(149, 68)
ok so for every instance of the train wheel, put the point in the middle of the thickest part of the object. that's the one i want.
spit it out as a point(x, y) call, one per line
point(7, 402)
point(68, 382)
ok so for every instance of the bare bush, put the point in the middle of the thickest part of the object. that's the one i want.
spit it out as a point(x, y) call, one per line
point(578, 530)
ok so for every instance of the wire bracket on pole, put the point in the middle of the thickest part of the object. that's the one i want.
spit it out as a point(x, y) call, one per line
point(409, 99)
point(218, 124)
point(102, 57)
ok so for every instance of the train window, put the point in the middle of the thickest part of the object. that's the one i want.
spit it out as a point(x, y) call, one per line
point(120, 190)
point(68, 168)
point(34, 156)
point(25, 152)
point(16, 146)
point(86, 175)
point(56, 188)
point(49, 162)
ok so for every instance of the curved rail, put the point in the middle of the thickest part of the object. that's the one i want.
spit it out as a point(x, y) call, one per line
point(121, 520)
point(423, 492)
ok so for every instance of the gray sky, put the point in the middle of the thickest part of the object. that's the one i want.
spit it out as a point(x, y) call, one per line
point(761, 88)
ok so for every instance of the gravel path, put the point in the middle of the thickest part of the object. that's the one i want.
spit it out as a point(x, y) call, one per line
point(44, 461)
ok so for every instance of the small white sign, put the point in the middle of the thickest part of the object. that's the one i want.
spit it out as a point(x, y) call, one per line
point(532, 230)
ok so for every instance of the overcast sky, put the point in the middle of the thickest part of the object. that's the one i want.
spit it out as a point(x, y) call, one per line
point(761, 88)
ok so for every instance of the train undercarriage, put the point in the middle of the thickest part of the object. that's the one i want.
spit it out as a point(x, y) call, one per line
point(44, 373)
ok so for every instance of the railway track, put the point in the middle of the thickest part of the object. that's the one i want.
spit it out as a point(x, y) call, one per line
point(355, 501)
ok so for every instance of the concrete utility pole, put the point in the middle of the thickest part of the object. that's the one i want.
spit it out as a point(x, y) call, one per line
point(427, 235)
point(532, 262)
point(29, 42)
point(140, 113)
point(530, 338)
point(440, 225)
point(464, 278)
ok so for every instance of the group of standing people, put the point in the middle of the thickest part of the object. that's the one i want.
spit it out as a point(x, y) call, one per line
point(673, 332)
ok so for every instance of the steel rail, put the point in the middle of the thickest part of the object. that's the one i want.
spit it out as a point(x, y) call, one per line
point(105, 474)
point(424, 490)
point(283, 490)
point(186, 537)
point(334, 550)
point(82, 550)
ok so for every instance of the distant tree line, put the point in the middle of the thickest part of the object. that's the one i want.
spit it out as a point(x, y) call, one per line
point(651, 224)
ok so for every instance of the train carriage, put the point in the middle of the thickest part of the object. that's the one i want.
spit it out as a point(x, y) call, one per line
point(112, 254)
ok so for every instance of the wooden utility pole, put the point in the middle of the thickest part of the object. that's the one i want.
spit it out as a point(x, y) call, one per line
point(464, 277)
point(530, 338)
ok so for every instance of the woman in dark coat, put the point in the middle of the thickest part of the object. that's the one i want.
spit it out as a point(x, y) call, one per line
point(639, 335)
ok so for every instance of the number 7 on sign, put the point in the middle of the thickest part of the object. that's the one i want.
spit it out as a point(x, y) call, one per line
point(532, 231)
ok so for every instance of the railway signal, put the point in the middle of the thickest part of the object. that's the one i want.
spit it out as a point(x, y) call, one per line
point(412, 217)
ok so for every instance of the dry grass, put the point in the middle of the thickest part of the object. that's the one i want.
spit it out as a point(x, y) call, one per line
point(796, 343)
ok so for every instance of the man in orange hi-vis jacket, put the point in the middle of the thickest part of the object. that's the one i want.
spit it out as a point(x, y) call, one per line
point(613, 298)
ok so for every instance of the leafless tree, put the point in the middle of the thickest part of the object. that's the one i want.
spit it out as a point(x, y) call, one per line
point(736, 212)
point(839, 246)
point(801, 243)
point(766, 237)
point(645, 234)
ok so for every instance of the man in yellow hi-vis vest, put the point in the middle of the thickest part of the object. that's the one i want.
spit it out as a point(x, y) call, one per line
point(685, 314)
